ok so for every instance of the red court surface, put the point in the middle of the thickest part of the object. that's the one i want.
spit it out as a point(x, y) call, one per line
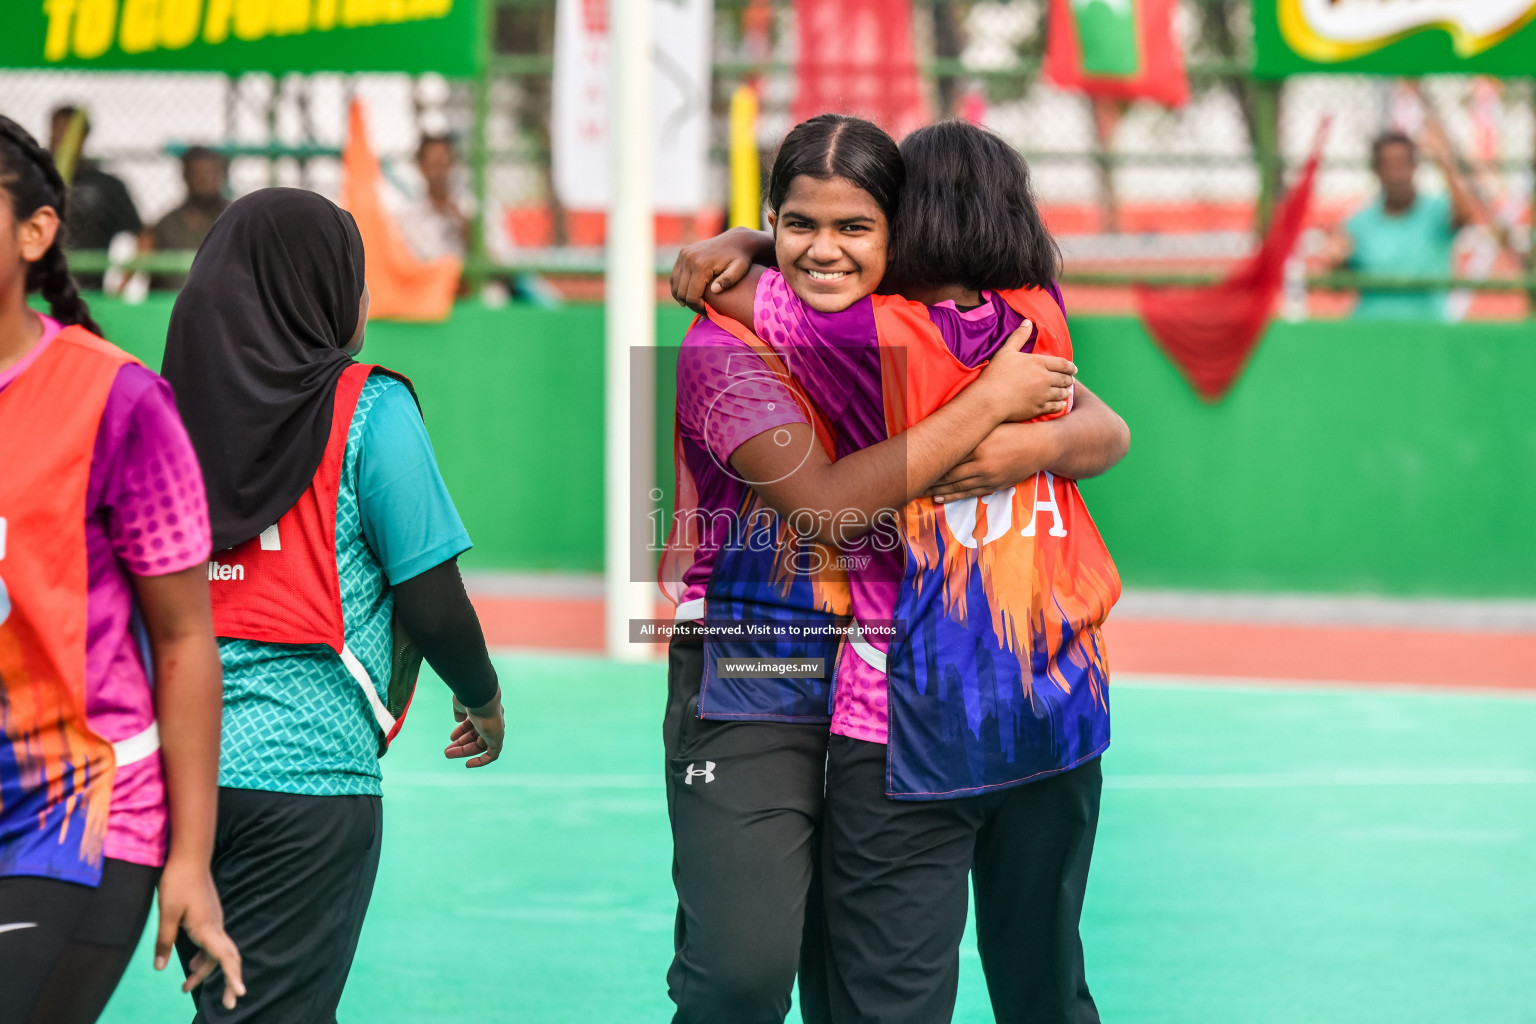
point(1181, 647)
point(1323, 653)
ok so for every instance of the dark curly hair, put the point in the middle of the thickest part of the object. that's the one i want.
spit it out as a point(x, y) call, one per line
point(28, 175)
point(968, 214)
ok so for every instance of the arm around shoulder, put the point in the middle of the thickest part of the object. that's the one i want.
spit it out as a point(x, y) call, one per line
point(723, 272)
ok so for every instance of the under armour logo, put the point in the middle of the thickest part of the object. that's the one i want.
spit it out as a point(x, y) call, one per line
point(708, 771)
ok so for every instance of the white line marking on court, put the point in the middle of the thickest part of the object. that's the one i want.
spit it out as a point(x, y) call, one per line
point(569, 654)
point(1300, 780)
point(1219, 780)
point(1411, 834)
point(1353, 687)
point(1327, 611)
point(1146, 680)
point(17, 926)
point(572, 780)
point(533, 585)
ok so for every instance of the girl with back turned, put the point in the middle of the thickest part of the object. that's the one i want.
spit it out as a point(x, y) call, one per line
point(331, 527)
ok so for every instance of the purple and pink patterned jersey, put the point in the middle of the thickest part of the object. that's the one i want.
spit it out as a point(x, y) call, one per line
point(721, 403)
point(730, 558)
point(146, 516)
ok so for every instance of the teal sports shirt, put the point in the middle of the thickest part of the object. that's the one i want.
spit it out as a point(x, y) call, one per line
point(295, 720)
point(1414, 243)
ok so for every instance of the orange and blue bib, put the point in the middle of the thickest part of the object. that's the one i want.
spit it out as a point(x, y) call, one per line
point(55, 773)
point(1002, 675)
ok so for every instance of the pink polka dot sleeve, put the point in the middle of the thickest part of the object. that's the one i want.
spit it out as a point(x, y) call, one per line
point(156, 508)
point(726, 393)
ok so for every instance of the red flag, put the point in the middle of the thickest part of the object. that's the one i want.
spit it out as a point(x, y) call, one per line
point(857, 57)
point(1210, 332)
point(1117, 49)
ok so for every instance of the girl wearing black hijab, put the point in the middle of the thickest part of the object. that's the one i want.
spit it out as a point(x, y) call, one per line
point(332, 534)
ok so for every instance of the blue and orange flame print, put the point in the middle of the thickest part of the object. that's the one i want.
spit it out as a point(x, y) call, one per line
point(1004, 677)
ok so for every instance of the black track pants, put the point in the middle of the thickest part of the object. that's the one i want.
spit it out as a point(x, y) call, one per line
point(295, 874)
point(744, 800)
point(894, 874)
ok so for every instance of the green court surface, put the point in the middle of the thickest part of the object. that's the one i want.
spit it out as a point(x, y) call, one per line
point(1265, 856)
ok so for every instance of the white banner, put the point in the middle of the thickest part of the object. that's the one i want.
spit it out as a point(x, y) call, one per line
point(680, 78)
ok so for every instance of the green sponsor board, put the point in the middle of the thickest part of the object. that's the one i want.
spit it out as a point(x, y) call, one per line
point(1395, 37)
point(243, 35)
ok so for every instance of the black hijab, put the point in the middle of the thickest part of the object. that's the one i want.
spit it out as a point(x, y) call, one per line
point(255, 349)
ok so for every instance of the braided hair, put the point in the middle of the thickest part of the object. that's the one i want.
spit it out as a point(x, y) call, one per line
point(28, 174)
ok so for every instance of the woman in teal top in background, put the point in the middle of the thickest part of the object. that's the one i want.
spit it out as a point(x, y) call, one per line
point(1404, 233)
point(260, 354)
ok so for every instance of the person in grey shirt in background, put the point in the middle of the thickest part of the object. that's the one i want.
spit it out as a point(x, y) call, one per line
point(184, 228)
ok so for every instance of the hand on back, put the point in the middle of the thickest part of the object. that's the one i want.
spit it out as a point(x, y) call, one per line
point(1025, 386)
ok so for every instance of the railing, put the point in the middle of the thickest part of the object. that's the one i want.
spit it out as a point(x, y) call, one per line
point(589, 261)
point(1340, 280)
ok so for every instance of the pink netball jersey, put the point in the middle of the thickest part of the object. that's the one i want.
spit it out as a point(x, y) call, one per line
point(146, 515)
point(729, 558)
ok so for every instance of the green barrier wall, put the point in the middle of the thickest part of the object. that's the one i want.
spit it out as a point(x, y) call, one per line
point(1395, 458)
point(1351, 457)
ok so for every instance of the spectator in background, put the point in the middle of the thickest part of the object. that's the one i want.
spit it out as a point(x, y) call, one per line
point(435, 225)
point(184, 228)
point(1404, 233)
point(99, 204)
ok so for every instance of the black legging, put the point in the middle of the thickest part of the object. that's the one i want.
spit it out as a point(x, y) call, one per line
point(744, 799)
point(438, 616)
point(64, 947)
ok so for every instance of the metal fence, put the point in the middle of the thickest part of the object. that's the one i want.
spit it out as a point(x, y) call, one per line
point(1131, 191)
